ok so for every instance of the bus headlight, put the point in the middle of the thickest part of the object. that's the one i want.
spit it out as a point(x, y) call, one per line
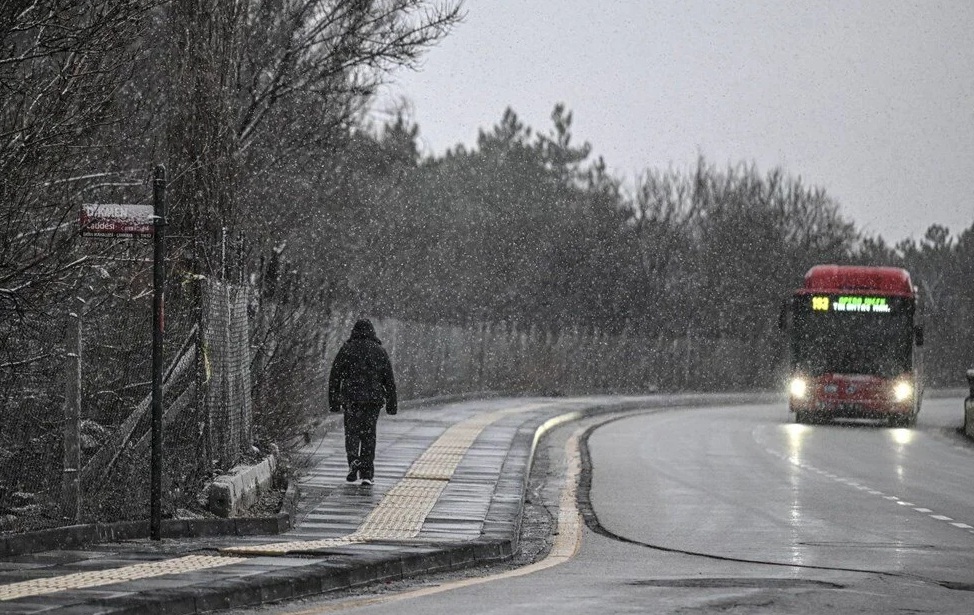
point(902, 391)
point(798, 388)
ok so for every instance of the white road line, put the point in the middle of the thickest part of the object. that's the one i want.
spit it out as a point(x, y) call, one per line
point(791, 459)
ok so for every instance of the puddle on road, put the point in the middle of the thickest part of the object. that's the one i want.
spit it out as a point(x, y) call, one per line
point(899, 546)
point(737, 583)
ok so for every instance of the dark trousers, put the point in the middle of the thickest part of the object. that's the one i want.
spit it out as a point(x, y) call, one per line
point(360, 422)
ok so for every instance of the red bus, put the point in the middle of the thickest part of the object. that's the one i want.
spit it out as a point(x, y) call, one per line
point(855, 335)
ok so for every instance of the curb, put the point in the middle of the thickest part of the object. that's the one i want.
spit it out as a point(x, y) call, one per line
point(75, 536)
point(313, 580)
point(342, 571)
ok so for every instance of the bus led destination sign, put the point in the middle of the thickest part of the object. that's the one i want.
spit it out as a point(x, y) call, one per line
point(850, 303)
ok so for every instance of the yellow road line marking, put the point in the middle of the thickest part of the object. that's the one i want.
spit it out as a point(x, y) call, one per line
point(81, 580)
point(566, 545)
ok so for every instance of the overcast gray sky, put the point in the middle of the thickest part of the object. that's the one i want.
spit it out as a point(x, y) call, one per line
point(872, 100)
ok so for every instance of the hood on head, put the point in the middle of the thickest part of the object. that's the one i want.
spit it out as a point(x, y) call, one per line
point(363, 328)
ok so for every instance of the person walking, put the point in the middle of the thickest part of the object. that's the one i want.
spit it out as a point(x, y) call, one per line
point(360, 383)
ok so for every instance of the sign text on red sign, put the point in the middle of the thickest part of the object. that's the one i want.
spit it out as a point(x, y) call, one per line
point(115, 219)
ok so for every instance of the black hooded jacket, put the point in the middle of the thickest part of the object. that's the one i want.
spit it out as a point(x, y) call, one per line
point(362, 371)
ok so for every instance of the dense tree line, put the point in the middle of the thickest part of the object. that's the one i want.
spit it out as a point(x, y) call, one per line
point(260, 110)
point(526, 228)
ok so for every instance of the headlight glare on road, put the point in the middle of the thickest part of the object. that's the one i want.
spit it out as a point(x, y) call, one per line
point(798, 388)
point(902, 391)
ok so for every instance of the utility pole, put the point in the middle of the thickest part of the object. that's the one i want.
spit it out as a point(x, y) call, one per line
point(158, 331)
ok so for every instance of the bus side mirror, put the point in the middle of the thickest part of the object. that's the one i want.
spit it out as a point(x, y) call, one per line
point(918, 334)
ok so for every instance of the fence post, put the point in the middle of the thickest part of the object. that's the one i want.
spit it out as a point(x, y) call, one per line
point(70, 491)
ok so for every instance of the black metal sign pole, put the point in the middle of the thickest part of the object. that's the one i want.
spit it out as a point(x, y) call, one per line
point(158, 330)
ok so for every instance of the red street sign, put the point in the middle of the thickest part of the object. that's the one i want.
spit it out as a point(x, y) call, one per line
point(117, 220)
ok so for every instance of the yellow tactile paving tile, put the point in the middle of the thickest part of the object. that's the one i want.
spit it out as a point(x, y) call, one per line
point(404, 509)
point(96, 578)
point(401, 513)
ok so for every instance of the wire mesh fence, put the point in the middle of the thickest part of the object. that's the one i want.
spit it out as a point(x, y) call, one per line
point(79, 358)
point(439, 359)
point(111, 309)
point(30, 432)
point(245, 368)
point(226, 382)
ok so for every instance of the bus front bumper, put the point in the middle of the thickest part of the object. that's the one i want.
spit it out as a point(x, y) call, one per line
point(858, 409)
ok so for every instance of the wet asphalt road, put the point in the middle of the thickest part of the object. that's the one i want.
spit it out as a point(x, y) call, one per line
point(738, 510)
point(785, 507)
point(759, 488)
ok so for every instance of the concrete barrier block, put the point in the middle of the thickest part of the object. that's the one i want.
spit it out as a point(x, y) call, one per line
point(233, 493)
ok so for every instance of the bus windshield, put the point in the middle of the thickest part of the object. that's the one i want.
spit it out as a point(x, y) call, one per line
point(830, 341)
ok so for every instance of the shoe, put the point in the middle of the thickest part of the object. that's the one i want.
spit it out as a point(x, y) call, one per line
point(352, 472)
point(367, 481)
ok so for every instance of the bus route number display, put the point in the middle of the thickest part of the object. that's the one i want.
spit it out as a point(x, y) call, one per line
point(850, 303)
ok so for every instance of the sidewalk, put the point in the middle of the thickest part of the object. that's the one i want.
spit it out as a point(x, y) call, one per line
point(449, 488)
point(450, 484)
